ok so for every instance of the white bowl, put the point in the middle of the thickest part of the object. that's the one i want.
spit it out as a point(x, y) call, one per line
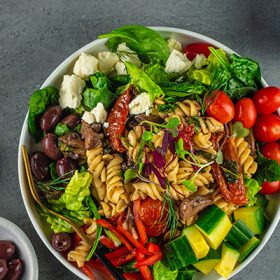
point(185, 37)
point(25, 251)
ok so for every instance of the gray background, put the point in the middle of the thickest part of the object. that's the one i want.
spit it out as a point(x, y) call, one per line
point(37, 35)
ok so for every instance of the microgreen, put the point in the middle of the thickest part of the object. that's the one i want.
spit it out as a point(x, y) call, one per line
point(129, 175)
point(238, 130)
point(219, 157)
point(189, 184)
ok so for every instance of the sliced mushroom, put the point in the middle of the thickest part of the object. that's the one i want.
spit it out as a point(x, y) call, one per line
point(193, 205)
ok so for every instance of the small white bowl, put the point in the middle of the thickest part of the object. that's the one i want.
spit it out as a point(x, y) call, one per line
point(24, 249)
point(66, 67)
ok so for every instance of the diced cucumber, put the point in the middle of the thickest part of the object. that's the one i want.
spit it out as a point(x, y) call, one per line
point(206, 266)
point(197, 241)
point(253, 217)
point(239, 234)
point(214, 224)
point(248, 248)
point(229, 259)
point(179, 253)
point(185, 274)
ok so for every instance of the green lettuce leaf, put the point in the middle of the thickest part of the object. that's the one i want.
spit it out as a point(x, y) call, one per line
point(99, 92)
point(252, 188)
point(156, 73)
point(141, 80)
point(149, 44)
point(162, 272)
point(38, 102)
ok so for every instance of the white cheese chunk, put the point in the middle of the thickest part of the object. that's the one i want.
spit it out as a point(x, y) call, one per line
point(120, 68)
point(70, 93)
point(126, 54)
point(200, 60)
point(177, 62)
point(85, 66)
point(88, 117)
point(141, 104)
point(174, 44)
point(107, 61)
point(106, 125)
point(99, 113)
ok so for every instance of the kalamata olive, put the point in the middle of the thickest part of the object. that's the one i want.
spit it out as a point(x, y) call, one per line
point(71, 120)
point(66, 165)
point(3, 268)
point(15, 269)
point(50, 148)
point(7, 249)
point(40, 166)
point(50, 118)
point(61, 241)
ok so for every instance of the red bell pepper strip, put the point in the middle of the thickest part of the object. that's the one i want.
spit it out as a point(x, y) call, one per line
point(117, 253)
point(143, 237)
point(150, 260)
point(154, 248)
point(136, 243)
point(88, 272)
point(96, 264)
point(109, 226)
point(107, 242)
point(132, 276)
point(123, 259)
point(145, 271)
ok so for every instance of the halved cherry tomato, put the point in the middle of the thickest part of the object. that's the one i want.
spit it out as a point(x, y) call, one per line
point(245, 112)
point(192, 50)
point(220, 107)
point(267, 100)
point(270, 187)
point(267, 128)
point(271, 150)
point(152, 217)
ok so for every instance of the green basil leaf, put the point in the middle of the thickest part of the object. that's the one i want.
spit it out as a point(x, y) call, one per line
point(238, 130)
point(129, 175)
point(61, 129)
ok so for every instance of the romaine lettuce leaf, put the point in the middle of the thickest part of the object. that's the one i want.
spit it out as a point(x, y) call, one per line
point(162, 272)
point(252, 188)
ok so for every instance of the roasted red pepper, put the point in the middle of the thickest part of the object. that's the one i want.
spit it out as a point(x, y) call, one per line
point(143, 238)
point(88, 272)
point(154, 248)
point(132, 276)
point(234, 192)
point(100, 267)
point(109, 226)
point(123, 259)
point(132, 240)
point(150, 260)
point(185, 132)
point(117, 253)
point(145, 271)
point(117, 119)
point(107, 242)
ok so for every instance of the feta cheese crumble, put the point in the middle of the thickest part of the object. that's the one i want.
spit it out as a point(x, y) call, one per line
point(120, 68)
point(200, 60)
point(107, 61)
point(177, 62)
point(141, 104)
point(70, 93)
point(174, 44)
point(85, 66)
point(97, 114)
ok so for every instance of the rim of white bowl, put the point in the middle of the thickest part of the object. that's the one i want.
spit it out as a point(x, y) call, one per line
point(24, 131)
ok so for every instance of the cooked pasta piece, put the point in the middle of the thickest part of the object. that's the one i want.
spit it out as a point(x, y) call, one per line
point(209, 124)
point(227, 207)
point(188, 108)
point(150, 189)
point(202, 140)
point(172, 167)
point(179, 192)
point(184, 171)
point(245, 159)
point(80, 253)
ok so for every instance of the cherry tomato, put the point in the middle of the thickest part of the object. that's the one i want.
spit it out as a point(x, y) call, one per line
point(270, 187)
point(245, 112)
point(151, 215)
point(192, 50)
point(267, 128)
point(271, 150)
point(267, 100)
point(220, 107)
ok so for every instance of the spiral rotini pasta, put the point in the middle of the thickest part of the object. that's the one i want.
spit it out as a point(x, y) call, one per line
point(209, 124)
point(246, 160)
point(80, 253)
point(188, 108)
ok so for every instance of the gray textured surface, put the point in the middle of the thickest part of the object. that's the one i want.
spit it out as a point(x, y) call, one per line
point(37, 35)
